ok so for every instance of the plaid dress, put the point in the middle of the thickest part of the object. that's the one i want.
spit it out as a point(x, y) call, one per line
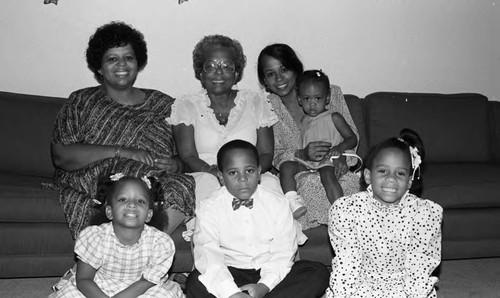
point(118, 266)
point(90, 116)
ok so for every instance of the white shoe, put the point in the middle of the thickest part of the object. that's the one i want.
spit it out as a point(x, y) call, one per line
point(296, 204)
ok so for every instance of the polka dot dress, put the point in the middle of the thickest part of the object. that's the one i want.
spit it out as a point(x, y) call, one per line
point(384, 251)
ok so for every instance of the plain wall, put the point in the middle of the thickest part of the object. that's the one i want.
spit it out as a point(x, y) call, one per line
point(441, 46)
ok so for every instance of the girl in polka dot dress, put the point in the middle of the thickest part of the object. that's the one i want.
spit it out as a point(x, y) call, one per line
point(387, 241)
point(123, 257)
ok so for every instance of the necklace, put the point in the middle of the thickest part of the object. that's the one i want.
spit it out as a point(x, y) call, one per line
point(222, 115)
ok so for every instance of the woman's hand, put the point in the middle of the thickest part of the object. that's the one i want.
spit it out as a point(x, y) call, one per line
point(138, 155)
point(339, 161)
point(340, 165)
point(316, 151)
point(168, 164)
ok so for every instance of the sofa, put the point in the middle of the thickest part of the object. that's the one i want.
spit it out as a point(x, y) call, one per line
point(461, 133)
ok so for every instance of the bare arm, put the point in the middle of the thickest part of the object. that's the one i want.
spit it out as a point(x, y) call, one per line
point(136, 289)
point(76, 156)
point(85, 281)
point(184, 140)
point(265, 146)
point(350, 139)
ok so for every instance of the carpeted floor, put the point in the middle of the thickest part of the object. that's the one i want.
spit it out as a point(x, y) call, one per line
point(478, 278)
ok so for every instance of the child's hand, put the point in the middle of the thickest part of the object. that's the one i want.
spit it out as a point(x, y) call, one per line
point(256, 290)
point(334, 152)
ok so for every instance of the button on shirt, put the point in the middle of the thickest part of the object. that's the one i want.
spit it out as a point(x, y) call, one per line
point(259, 238)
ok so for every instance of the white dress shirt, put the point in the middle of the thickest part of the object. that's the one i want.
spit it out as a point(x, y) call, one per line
point(262, 237)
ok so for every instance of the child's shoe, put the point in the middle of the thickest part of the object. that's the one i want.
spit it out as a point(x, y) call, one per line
point(296, 204)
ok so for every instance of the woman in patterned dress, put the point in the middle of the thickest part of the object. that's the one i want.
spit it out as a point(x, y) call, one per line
point(115, 127)
point(278, 67)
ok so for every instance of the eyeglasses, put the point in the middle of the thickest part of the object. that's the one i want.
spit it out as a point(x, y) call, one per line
point(226, 66)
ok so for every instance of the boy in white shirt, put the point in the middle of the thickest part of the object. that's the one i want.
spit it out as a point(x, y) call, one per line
point(244, 238)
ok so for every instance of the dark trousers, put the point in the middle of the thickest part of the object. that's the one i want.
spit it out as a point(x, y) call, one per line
point(306, 279)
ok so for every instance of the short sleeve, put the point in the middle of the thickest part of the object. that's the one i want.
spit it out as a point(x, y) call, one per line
point(182, 111)
point(346, 265)
point(88, 246)
point(67, 125)
point(424, 253)
point(163, 254)
point(264, 111)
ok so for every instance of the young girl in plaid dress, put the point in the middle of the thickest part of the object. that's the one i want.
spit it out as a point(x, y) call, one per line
point(123, 257)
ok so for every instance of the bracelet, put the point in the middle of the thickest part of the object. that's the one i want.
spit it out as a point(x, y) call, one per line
point(209, 168)
point(213, 168)
point(117, 152)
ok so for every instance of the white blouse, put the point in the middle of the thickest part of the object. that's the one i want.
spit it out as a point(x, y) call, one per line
point(252, 111)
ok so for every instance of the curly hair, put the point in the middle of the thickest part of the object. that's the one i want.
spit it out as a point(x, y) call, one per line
point(107, 187)
point(313, 76)
point(209, 42)
point(284, 54)
point(407, 137)
point(112, 35)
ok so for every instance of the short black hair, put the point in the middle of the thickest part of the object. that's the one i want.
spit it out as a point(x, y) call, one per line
point(223, 153)
point(407, 137)
point(284, 54)
point(113, 35)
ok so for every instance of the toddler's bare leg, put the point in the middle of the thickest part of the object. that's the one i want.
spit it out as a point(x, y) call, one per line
point(288, 169)
point(330, 183)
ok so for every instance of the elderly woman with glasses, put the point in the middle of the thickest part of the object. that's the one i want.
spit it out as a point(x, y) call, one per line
point(219, 113)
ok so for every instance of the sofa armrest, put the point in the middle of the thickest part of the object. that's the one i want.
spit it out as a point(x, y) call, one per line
point(494, 119)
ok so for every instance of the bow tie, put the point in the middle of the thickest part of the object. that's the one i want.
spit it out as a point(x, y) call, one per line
point(237, 203)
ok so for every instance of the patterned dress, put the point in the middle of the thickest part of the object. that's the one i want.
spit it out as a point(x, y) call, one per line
point(90, 116)
point(384, 251)
point(118, 266)
point(288, 139)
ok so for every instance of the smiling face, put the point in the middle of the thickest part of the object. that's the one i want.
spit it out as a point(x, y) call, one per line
point(279, 80)
point(119, 67)
point(219, 74)
point(313, 97)
point(390, 176)
point(130, 205)
point(240, 173)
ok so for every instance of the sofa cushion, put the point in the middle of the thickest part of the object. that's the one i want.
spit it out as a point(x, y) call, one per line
point(462, 185)
point(24, 200)
point(26, 124)
point(453, 127)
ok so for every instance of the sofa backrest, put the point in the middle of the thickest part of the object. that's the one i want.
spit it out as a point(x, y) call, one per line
point(355, 105)
point(453, 127)
point(26, 124)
